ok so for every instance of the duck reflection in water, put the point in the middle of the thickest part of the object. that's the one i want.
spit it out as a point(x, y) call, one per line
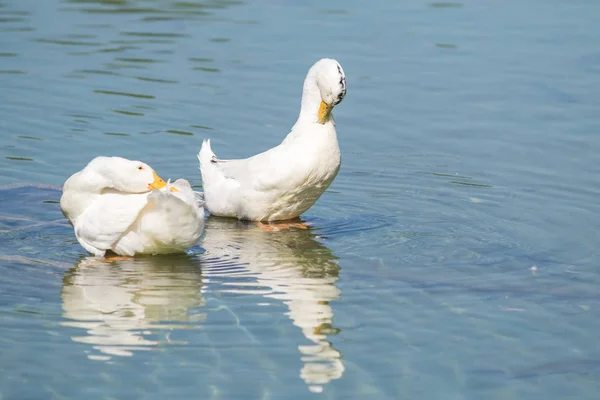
point(122, 304)
point(136, 304)
point(290, 266)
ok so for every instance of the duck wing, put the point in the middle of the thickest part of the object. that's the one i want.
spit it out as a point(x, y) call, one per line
point(108, 218)
point(275, 168)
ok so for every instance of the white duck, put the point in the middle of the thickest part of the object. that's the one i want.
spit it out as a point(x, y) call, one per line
point(285, 181)
point(113, 204)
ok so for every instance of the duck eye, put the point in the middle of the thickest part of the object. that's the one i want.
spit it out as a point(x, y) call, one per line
point(140, 168)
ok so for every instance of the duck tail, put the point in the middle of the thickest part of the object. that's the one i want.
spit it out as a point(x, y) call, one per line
point(212, 177)
point(207, 169)
point(220, 191)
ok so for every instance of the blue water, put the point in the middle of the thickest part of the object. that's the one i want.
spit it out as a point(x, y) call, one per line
point(454, 257)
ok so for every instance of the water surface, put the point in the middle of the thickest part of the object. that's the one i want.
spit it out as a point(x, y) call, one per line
point(455, 256)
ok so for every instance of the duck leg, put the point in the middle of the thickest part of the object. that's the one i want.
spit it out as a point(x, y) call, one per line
point(109, 259)
point(282, 225)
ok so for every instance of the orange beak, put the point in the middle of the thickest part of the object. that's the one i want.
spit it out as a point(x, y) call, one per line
point(324, 112)
point(158, 182)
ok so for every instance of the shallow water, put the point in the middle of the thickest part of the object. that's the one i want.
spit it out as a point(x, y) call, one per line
point(455, 256)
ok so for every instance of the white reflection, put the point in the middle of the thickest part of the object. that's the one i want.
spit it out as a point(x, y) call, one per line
point(289, 266)
point(123, 304)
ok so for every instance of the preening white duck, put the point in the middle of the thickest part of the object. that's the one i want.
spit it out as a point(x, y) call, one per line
point(124, 206)
point(285, 181)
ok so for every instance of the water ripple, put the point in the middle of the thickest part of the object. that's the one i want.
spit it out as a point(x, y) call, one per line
point(292, 267)
point(136, 95)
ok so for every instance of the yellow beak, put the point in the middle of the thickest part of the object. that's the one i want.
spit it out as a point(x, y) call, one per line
point(158, 182)
point(324, 112)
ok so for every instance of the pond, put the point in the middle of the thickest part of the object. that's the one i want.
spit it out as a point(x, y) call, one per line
point(455, 256)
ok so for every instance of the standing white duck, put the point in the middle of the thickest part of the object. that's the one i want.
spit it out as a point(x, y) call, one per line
point(285, 181)
point(124, 206)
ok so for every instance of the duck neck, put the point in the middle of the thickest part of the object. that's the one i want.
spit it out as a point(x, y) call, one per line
point(311, 101)
point(94, 182)
point(91, 181)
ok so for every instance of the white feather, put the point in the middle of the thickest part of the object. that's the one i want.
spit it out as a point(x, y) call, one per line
point(285, 181)
point(105, 216)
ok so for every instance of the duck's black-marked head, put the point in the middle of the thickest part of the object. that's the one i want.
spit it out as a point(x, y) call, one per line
point(331, 81)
